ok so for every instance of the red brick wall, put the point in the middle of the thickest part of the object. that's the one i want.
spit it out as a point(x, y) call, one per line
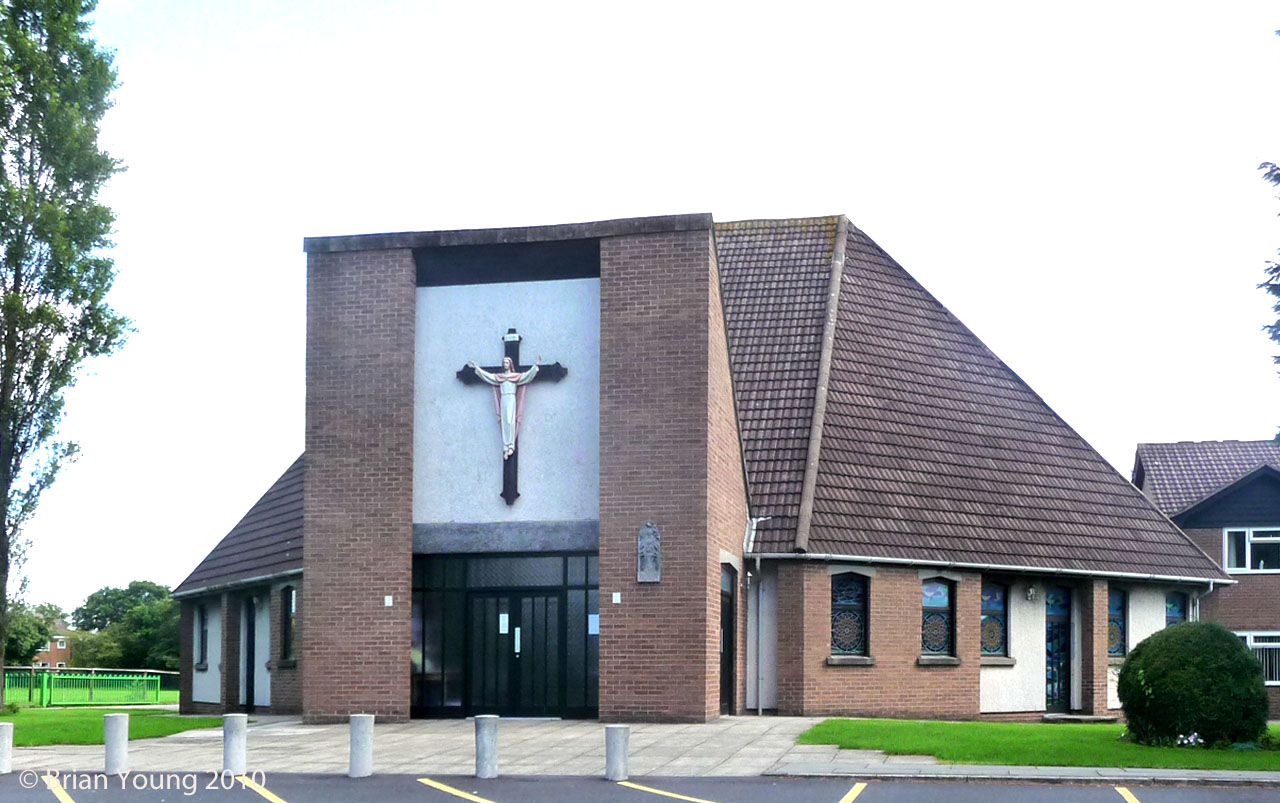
point(232, 613)
point(896, 686)
point(663, 459)
point(1093, 646)
point(286, 676)
point(1247, 605)
point(186, 654)
point(726, 495)
point(358, 510)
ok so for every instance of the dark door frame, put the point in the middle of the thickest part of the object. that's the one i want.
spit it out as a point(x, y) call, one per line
point(1064, 665)
point(728, 644)
point(250, 644)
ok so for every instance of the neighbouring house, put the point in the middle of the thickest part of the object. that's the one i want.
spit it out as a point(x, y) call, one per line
point(57, 652)
point(1226, 496)
point(757, 467)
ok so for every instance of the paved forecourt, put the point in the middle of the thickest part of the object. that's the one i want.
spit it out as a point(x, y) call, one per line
point(291, 788)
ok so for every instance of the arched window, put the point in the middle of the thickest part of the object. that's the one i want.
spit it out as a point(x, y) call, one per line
point(288, 621)
point(938, 618)
point(995, 619)
point(848, 614)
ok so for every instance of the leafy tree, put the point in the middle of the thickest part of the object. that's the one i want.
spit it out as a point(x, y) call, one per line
point(51, 613)
point(1271, 174)
point(55, 86)
point(106, 606)
point(135, 627)
point(28, 634)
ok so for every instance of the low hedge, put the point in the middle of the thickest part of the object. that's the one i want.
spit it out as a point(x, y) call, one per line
point(1193, 678)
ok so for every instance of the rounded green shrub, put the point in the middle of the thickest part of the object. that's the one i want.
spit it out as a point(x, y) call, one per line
point(1193, 678)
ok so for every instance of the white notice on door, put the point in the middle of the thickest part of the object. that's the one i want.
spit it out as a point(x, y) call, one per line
point(593, 624)
point(502, 624)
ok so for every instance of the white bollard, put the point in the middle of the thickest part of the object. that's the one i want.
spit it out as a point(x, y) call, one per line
point(361, 764)
point(6, 748)
point(235, 743)
point(617, 741)
point(116, 730)
point(486, 746)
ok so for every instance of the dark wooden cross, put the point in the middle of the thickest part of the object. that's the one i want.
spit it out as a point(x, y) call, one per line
point(546, 373)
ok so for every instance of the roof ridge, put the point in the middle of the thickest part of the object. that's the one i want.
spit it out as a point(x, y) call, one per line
point(807, 489)
point(818, 220)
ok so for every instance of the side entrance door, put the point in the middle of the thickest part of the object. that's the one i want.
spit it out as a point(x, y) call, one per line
point(1057, 640)
point(728, 651)
point(515, 653)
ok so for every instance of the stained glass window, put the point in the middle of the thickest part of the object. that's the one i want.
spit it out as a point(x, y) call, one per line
point(848, 614)
point(1117, 623)
point(995, 619)
point(937, 619)
point(1175, 608)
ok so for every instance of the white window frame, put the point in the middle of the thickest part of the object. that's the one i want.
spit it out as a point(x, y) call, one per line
point(1273, 643)
point(1248, 548)
point(62, 644)
point(62, 665)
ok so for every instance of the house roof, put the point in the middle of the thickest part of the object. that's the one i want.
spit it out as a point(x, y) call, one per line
point(1178, 475)
point(266, 542)
point(930, 448)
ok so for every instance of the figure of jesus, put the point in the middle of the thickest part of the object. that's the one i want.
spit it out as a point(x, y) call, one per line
point(508, 388)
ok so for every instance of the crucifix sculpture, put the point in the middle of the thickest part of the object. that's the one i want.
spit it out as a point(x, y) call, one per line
point(509, 380)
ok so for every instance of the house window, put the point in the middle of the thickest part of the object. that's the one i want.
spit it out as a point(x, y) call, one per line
point(1117, 623)
point(937, 624)
point(848, 614)
point(995, 619)
point(62, 664)
point(62, 644)
point(1266, 646)
point(1251, 550)
point(1175, 608)
point(202, 642)
point(289, 609)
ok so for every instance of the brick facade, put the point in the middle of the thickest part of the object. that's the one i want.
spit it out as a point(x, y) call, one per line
point(667, 454)
point(358, 480)
point(896, 686)
point(286, 675)
point(1094, 661)
point(1247, 605)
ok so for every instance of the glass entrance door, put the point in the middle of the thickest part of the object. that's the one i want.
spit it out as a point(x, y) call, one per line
point(1057, 640)
point(514, 663)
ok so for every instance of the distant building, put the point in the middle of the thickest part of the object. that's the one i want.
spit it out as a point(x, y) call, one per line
point(759, 468)
point(1226, 496)
point(57, 652)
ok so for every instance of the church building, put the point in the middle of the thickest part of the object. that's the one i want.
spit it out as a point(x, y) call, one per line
point(665, 469)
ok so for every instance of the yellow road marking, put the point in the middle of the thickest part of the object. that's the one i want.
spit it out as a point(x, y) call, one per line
point(1127, 795)
point(653, 791)
point(58, 792)
point(261, 790)
point(853, 793)
point(455, 792)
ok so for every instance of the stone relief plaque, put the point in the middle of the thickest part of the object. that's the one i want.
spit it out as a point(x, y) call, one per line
point(649, 554)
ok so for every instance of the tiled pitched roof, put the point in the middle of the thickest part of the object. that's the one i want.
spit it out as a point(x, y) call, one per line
point(267, 541)
point(1177, 475)
point(775, 322)
point(932, 449)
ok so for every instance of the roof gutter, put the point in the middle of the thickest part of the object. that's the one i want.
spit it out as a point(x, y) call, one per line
point(824, 380)
point(191, 592)
point(1209, 581)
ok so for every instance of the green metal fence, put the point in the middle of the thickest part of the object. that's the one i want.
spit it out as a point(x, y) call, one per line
point(44, 687)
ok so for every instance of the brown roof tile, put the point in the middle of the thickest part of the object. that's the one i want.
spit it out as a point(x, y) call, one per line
point(1177, 475)
point(932, 449)
point(267, 541)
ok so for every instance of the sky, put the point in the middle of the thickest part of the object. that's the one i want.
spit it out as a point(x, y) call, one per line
point(1076, 182)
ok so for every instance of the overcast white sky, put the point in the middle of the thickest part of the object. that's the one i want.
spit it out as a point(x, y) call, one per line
point(1075, 181)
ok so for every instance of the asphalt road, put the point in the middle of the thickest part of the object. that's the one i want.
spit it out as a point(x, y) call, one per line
point(208, 788)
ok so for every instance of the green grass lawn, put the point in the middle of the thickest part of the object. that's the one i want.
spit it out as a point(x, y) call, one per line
point(35, 726)
point(168, 696)
point(1062, 745)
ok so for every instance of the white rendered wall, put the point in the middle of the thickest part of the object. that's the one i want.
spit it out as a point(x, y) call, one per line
point(206, 685)
point(1146, 616)
point(261, 652)
point(457, 467)
point(762, 638)
point(1019, 687)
